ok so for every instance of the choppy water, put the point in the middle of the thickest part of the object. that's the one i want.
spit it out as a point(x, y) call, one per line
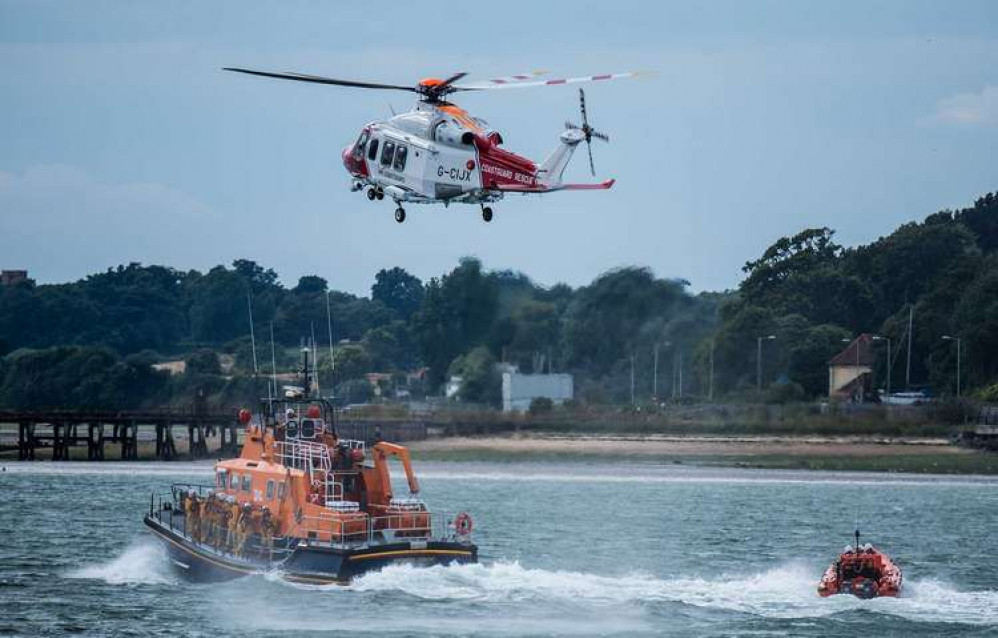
point(566, 550)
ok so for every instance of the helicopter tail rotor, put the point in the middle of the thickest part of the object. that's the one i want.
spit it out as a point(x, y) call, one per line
point(587, 130)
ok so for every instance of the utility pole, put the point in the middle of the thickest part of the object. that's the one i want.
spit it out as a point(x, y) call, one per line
point(888, 340)
point(758, 362)
point(907, 372)
point(680, 375)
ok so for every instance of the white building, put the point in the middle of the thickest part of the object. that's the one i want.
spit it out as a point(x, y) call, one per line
point(518, 390)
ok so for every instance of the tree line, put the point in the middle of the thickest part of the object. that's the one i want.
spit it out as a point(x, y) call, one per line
point(93, 342)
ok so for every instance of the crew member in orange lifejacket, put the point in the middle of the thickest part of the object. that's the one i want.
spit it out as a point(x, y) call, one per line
point(315, 495)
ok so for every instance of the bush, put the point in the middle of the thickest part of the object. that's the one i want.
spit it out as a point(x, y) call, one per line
point(540, 405)
point(788, 392)
point(203, 361)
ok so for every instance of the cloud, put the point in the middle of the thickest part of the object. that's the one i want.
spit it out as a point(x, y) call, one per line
point(59, 221)
point(970, 109)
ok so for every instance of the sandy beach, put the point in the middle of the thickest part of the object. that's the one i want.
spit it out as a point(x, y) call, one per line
point(838, 453)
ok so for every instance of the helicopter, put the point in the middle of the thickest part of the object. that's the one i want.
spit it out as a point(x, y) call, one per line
point(437, 153)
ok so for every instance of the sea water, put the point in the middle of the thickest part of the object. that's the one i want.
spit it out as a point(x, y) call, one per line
point(566, 550)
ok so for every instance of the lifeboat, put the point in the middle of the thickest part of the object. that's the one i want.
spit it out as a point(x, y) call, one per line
point(305, 503)
point(863, 571)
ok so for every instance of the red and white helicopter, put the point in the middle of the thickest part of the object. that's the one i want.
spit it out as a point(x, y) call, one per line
point(438, 153)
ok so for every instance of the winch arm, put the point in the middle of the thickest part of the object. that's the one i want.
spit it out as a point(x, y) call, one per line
point(382, 451)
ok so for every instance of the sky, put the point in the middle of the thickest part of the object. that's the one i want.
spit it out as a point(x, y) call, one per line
point(122, 140)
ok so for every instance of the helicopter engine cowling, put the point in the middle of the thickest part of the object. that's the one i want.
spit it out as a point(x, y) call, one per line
point(451, 133)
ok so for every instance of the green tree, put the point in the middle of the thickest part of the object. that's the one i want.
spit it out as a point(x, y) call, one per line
point(480, 382)
point(398, 291)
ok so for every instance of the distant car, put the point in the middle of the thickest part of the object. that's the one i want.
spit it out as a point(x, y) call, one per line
point(906, 398)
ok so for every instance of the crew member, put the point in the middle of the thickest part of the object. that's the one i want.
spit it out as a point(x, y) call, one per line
point(235, 515)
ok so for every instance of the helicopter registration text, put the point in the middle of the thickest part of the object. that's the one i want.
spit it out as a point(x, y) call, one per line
point(456, 174)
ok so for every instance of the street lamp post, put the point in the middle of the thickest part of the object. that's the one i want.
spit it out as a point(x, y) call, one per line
point(958, 360)
point(888, 340)
point(758, 362)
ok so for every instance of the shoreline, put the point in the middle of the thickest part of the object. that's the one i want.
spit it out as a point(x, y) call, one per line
point(884, 454)
point(873, 454)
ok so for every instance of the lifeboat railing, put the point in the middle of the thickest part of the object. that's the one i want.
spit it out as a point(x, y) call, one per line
point(303, 455)
point(211, 536)
point(405, 526)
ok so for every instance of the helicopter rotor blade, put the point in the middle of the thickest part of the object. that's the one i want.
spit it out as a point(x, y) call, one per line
point(512, 79)
point(582, 104)
point(489, 85)
point(447, 83)
point(601, 136)
point(317, 79)
point(592, 166)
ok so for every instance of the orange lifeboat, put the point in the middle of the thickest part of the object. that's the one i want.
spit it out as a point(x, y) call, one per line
point(863, 571)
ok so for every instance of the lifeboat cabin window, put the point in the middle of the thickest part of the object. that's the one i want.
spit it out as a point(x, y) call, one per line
point(388, 154)
point(400, 154)
point(233, 481)
point(270, 490)
point(372, 150)
point(246, 483)
point(307, 429)
point(280, 491)
point(222, 479)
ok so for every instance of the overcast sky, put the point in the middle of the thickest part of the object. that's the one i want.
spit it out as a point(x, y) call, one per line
point(122, 140)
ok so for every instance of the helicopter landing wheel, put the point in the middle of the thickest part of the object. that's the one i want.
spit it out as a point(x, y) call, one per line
point(487, 213)
point(371, 194)
point(400, 214)
point(380, 194)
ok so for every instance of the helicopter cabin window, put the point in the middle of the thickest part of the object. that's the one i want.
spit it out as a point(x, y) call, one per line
point(270, 490)
point(359, 147)
point(400, 154)
point(246, 483)
point(372, 150)
point(388, 153)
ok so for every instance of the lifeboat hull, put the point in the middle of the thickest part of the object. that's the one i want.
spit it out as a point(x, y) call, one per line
point(306, 563)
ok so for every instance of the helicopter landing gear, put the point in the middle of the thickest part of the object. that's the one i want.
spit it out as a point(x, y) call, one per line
point(371, 194)
point(487, 213)
point(400, 214)
point(381, 195)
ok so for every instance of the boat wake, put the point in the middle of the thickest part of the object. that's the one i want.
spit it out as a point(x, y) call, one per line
point(144, 562)
point(786, 591)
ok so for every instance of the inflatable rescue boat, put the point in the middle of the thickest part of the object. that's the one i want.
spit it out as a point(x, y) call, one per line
point(863, 571)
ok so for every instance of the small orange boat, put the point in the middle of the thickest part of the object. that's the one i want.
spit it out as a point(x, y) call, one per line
point(863, 571)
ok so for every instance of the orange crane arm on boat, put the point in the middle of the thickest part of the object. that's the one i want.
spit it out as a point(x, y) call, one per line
point(382, 451)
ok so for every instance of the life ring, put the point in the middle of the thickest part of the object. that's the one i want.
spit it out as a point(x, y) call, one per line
point(463, 523)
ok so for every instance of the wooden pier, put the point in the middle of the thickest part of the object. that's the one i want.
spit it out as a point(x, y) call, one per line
point(62, 430)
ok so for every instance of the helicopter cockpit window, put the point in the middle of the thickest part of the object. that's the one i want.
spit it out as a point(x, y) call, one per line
point(388, 153)
point(360, 146)
point(400, 154)
point(372, 150)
